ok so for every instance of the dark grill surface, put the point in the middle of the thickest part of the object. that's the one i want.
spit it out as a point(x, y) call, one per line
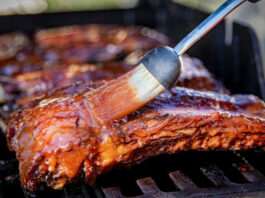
point(186, 174)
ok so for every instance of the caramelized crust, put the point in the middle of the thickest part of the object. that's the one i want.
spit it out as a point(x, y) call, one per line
point(58, 140)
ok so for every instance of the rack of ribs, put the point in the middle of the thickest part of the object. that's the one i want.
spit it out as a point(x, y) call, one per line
point(96, 43)
point(73, 44)
point(194, 76)
point(51, 131)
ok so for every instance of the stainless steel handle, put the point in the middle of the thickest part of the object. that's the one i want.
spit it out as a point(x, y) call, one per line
point(207, 25)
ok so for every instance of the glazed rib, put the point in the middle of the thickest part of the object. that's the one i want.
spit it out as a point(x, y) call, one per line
point(52, 131)
point(96, 43)
point(194, 76)
point(73, 44)
point(39, 82)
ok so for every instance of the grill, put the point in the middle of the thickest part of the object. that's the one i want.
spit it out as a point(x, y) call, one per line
point(185, 174)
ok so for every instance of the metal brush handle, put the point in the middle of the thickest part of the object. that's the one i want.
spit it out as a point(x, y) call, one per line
point(207, 25)
point(165, 63)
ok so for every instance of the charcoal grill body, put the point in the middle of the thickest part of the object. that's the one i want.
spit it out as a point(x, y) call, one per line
point(186, 174)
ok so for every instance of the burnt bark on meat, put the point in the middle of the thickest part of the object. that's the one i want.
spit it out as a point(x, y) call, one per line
point(48, 134)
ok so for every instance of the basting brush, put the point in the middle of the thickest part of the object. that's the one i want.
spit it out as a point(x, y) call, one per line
point(131, 91)
point(158, 70)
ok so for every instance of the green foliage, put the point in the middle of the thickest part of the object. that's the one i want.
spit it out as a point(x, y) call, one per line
point(76, 5)
point(207, 5)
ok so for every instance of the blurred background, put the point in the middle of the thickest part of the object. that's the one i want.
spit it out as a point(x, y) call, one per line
point(8, 7)
point(249, 14)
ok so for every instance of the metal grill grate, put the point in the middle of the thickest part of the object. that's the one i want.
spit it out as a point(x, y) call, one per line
point(186, 174)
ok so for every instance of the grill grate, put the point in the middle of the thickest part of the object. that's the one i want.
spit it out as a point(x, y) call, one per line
point(186, 174)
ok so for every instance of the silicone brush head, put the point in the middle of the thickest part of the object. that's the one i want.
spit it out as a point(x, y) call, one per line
point(158, 70)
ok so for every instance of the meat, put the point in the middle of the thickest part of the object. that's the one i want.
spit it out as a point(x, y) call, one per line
point(62, 56)
point(33, 68)
point(22, 88)
point(17, 55)
point(57, 128)
point(58, 140)
point(39, 82)
point(194, 76)
point(73, 44)
point(12, 43)
point(94, 43)
point(26, 87)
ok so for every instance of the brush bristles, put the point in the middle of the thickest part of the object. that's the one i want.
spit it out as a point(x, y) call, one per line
point(146, 85)
point(124, 95)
